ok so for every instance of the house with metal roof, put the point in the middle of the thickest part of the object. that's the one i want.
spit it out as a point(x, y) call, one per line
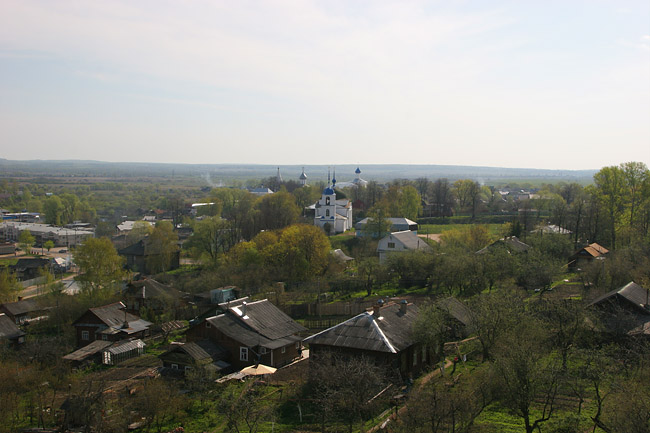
point(625, 310)
point(587, 254)
point(23, 310)
point(383, 334)
point(252, 332)
point(107, 352)
point(109, 323)
point(511, 244)
point(185, 356)
point(9, 332)
point(396, 225)
point(157, 297)
point(400, 242)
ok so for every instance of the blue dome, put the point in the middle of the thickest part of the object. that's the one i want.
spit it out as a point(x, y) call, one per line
point(357, 171)
point(328, 191)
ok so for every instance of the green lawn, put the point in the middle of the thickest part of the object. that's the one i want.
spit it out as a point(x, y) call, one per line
point(494, 229)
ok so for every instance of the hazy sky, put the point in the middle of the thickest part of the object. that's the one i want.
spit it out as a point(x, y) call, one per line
point(525, 83)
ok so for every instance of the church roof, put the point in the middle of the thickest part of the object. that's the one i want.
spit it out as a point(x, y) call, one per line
point(357, 171)
point(303, 176)
point(328, 191)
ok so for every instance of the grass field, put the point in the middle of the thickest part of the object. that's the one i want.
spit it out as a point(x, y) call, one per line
point(494, 229)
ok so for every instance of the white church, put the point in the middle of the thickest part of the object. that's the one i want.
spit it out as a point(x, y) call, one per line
point(331, 214)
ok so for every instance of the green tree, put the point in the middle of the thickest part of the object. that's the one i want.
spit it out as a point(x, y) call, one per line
point(100, 266)
point(276, 211)
point(26, 240)
point(378, 224)
point(410, 202)
point(53, 210)
point(610, 183)
point(211, 237)
point(48, 245)
point(468, 193)
point(140, 230)
point(161, 246)
point(9, 287)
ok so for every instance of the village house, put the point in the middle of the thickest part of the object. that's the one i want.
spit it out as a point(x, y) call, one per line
point(382, 335)
point(400, 242)
point(625, 310)
point(24, 310)
point(586, 255)
point(106, 352)
point(510, 244)
point(252, 332)
point(154, 296)
point(396, 225)
point(203, 353)
point(137, 256)
point(9, 332)
point(109, 323)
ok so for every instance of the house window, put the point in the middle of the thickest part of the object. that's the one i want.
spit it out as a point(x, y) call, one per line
point(284, 350)
point(85, 335)
point(207, 324)
point(174, 366)
point(391, 244)
point(187, 368)
point(263, 350)
point(327, 212)
point(104, 337)
point(243, 353)
point(415, 357)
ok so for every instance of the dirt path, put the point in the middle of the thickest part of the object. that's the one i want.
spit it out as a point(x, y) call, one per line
point(432, 236)
point(402, 410)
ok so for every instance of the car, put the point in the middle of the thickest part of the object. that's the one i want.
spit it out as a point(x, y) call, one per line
point(63, 250)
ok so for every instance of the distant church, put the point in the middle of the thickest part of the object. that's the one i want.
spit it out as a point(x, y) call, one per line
point(331, 214)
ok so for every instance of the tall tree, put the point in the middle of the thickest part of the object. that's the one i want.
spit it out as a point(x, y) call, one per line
point(610, 184)
point(161, 245)
point(100, 266)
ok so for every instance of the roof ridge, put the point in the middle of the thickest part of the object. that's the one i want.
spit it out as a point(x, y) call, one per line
point(381, 333)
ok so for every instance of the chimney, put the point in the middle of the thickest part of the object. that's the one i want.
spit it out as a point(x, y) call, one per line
point(243, 308)
point(377, 307)
point(403, 306)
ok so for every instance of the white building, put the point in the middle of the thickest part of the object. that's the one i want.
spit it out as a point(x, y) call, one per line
point(333, 214)
point(400, 242)
point(10, 231)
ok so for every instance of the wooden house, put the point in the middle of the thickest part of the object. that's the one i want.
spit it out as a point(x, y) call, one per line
point(23, 310)
point(382, 335)
point(625, 310)
point(9, 332)
point(185, 356)
point(109, 323)
point(586, 255)
point(252, 332)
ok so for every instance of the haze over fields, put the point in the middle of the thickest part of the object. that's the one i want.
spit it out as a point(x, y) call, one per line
point(552, 84)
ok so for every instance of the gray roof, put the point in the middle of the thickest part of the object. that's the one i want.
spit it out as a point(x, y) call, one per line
point(457, 310)
point(632, 294)
point(410, 240)
point(262, 323)
point(114, 316)
point(512, 244)
point(393, 222)
point(8, 328)
point(200, 350)
point(390, 332)
point(23, 306)
point(149, 288)
point(340, 255)
point(88, 350)
point(125, 346)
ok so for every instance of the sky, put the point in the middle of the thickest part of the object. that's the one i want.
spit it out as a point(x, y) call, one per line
point(531, 84)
